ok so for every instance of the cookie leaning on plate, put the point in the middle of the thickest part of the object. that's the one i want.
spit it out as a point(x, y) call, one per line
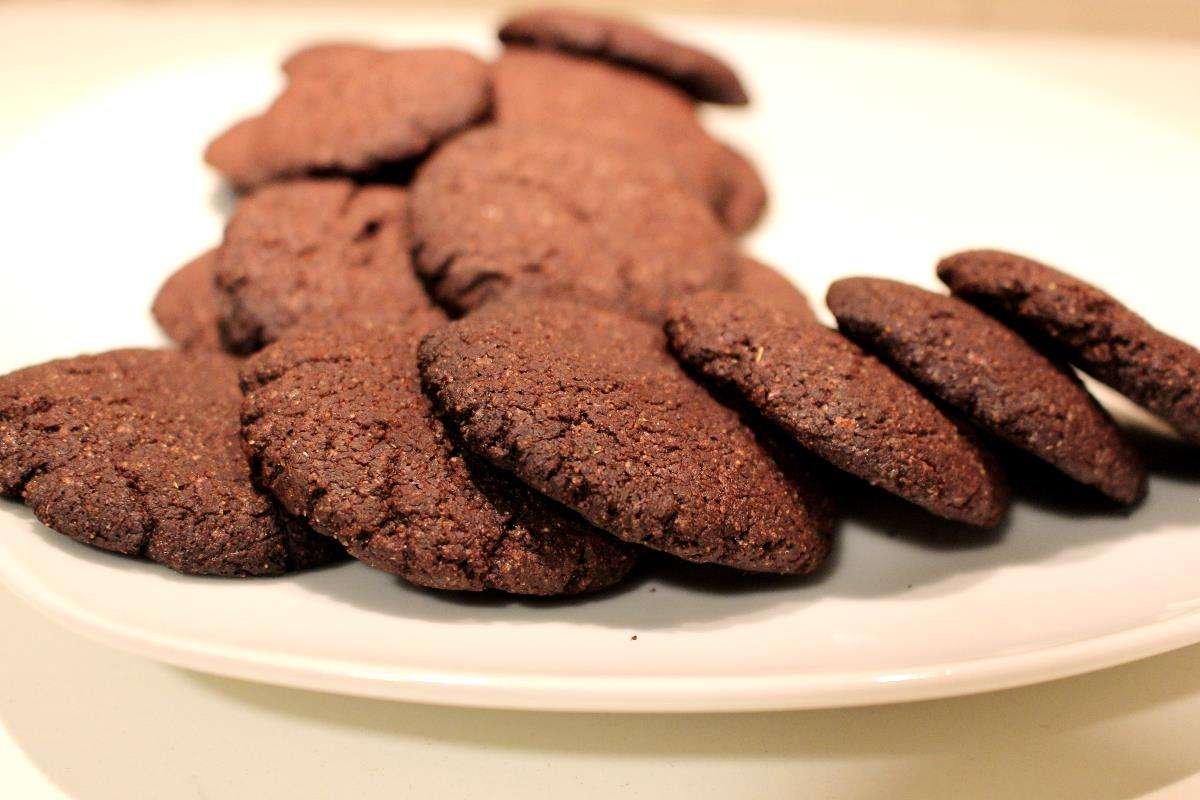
point(338, 429)
point(504, 206)
point(625, 42)
point(310, 252)
point(992, 376)
point(839, 402)
point(1093, 329)
point(138, 452)
point(588, 407)
point(354, 109)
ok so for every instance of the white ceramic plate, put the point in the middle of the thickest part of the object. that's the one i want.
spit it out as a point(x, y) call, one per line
point(883, 153)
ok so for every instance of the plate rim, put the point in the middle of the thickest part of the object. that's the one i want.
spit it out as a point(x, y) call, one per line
point(618, 693)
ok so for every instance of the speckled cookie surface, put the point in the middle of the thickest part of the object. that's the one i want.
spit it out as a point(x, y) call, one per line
point(340, 431)
point(840, 403)
point(353, 109)
point(502, 206)
point(992, 376)
point(588, 408)
point(310, 252)
point(767, 285)
point(582, 96)
point(186, 305)
point(1092, 328)
point(702, 74)
point(138, 452)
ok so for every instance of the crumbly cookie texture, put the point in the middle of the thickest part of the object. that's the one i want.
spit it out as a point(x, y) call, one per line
point(590, 409)
point(339, 430)
point(1090, 327)
point(311, 253)
point(840, 403)
point(509, 206)
point(992, 376)
point(138, 452)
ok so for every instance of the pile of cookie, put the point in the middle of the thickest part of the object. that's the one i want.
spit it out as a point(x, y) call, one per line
point(487, 327)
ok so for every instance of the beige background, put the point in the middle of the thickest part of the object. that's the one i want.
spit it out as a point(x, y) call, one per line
point(79, 720)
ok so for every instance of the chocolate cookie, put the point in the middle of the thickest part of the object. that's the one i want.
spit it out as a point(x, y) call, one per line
point(186, 305)
point(582, 96)
point(501, 206)
point(767, 285)
point(588, 408)
point(1094, 330)
point(701, 74)
point(992, 376)
point(311, 252)
point(840, 403)
point(339, 430)
point(138, 452)
point(353, 109)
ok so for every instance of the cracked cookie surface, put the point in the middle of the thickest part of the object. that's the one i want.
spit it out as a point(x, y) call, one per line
point(1091, 328)
point(840, 403)
point(341, 433)
point(589, 408)
point(992, 376)
point(314, 252)
point(502, 206)
point(138, 452)
point(354, 109)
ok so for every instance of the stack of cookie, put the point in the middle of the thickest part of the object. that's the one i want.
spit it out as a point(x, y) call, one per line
point(487, 327)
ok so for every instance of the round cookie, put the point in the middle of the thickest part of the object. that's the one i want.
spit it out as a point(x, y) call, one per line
point(585, 97)
point(339, 430)
point(840, 403)
point(505, 206)
point(701, 74)
point(769, 286)
point(186, 305)
point(314, 251)
point(990, 374)
point(138, 452)
point(353, 109)
point(1093, 329)
point(588, 408)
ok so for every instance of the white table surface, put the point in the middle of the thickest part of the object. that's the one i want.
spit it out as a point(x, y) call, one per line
point(80, 720)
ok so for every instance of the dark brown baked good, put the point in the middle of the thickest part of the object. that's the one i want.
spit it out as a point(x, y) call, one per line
point(767, 285)
point(353, 109)
point(339, 430)
point(838, 402)
point(625, 42)
point(138, 452)
point(1093, 329)
point(186, 305)
point(588, 408)
point(993, 376)
point(582, 96)
point(500, 206)
point(313, 252)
